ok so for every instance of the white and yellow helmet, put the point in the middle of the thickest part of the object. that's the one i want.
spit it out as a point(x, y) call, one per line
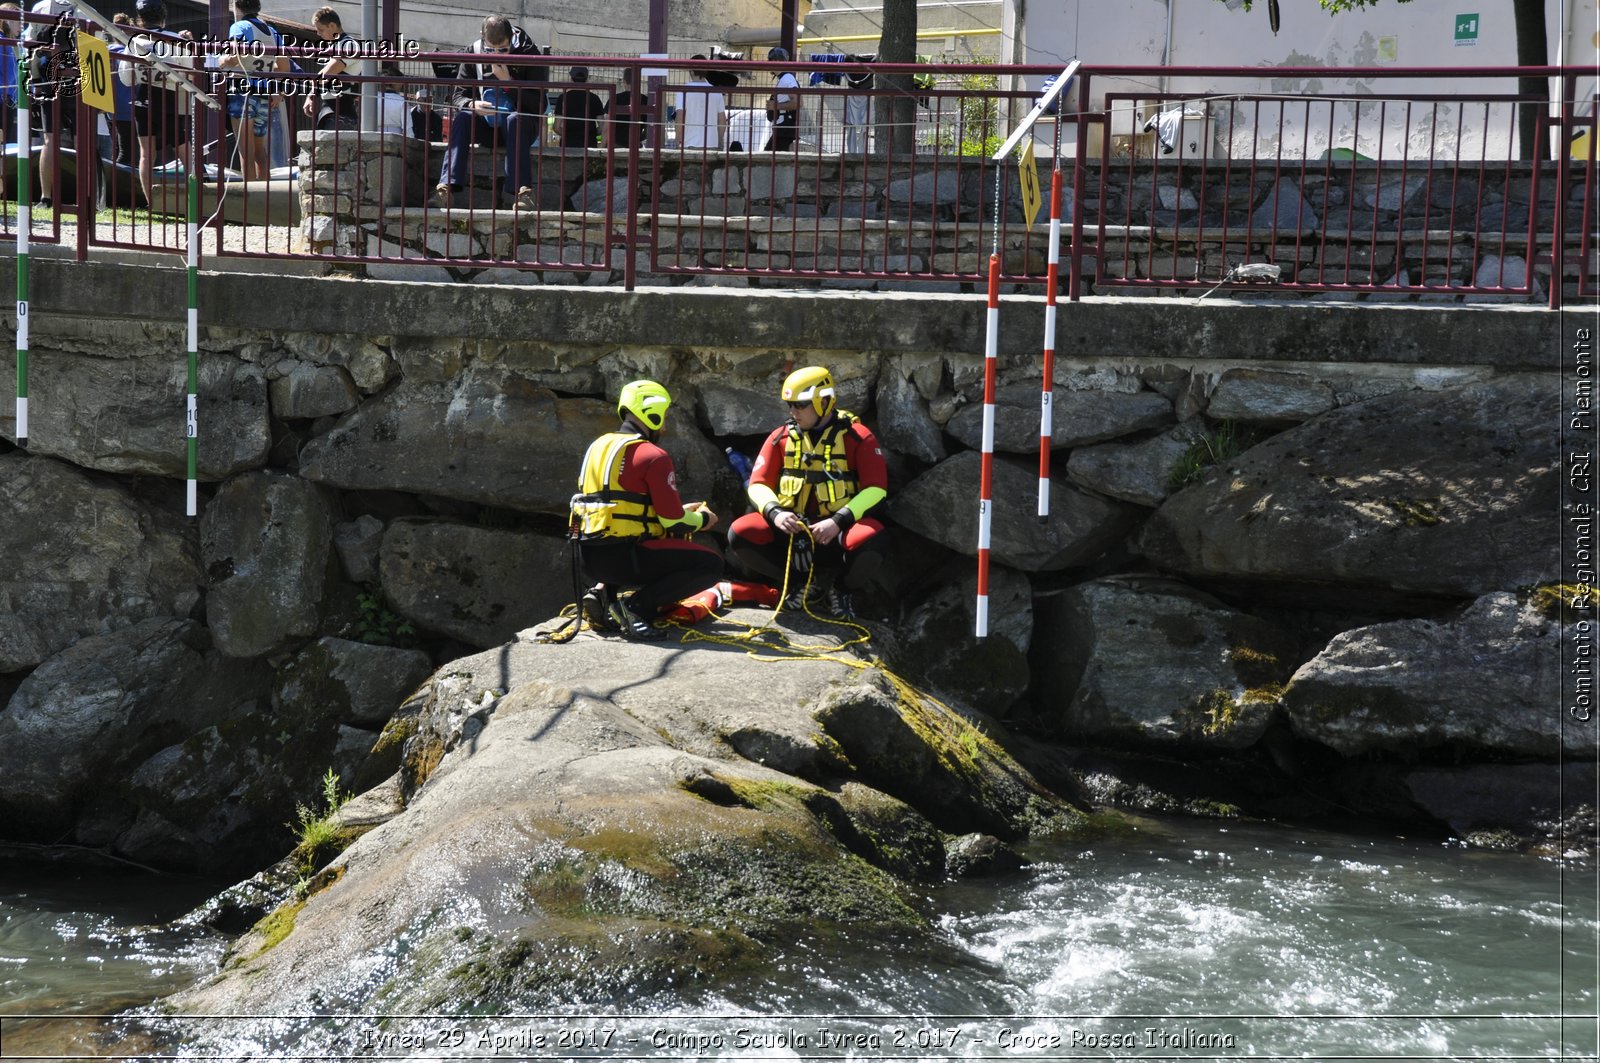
point(812, 384)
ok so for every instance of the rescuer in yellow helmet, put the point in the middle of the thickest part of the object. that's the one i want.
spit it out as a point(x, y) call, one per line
point(818, 475)
point(631, 526)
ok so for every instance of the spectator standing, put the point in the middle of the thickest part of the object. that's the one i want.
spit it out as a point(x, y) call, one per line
point(10, 24)
point(486, 112)
point(783, 106)
point(334, 105)
point(257, 51)
point(160, 112)
point(702, 114)
point(53, 86)
point(578, 113)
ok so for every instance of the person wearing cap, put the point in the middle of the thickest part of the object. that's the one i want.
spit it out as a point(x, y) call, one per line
point(632, 527)
point(783, 106)
point(578, 112)
point(160, 112)
point(815, 481)
point(702, 114)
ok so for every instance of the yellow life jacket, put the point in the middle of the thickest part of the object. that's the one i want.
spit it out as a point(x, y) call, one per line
point(817, 470)
point(602, 509)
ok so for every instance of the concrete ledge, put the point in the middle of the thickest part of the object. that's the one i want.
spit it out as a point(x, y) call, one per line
point(1132, 330)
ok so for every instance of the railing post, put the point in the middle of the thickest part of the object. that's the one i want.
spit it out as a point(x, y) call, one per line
point(1558, 216)
point(1075, 273)
point(86, 172)
point(632, 225)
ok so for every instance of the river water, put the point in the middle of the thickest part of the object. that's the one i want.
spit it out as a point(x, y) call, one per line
point(1186, 939)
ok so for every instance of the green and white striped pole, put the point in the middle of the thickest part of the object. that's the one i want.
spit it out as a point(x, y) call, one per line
point(192, 409)
point(24, 222)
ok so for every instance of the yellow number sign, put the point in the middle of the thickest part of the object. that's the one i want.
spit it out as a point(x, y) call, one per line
point(94, 68)
point(1029, 172)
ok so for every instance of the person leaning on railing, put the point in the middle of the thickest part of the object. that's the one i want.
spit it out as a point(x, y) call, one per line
point(486, 112)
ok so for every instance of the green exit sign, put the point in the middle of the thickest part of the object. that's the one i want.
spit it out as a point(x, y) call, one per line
point(1466, 30)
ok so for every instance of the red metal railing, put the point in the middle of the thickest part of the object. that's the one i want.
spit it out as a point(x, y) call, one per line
point(1380, 190)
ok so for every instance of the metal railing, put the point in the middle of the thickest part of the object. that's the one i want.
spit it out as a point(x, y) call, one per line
point(1177, 179)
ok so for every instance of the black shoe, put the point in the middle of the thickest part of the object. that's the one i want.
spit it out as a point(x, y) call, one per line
point(841, 605)
point(633, 626)
point(594, 609)
point(813, 600)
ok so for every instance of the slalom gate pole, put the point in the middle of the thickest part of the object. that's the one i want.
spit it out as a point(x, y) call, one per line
point(192, 406)
point(24, 223)
point(991, 346)
point(1047, 384)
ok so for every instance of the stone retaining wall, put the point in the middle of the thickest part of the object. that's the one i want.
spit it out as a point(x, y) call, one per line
point(1233, 539)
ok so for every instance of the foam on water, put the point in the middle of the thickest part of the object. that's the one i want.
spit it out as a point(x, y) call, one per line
point(1287, 942)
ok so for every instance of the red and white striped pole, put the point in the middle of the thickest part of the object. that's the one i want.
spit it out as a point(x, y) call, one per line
point(1048, 384)
point(991, 347)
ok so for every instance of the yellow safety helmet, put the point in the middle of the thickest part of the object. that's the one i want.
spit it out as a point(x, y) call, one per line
point(647, 401)
point(812, 384)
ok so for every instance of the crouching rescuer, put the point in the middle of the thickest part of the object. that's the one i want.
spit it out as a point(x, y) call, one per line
point(813, 484)
point(632, 528)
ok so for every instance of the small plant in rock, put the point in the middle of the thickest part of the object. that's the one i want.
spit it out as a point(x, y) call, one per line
point(379, 625)
point(1216, 445)
point(321, 837)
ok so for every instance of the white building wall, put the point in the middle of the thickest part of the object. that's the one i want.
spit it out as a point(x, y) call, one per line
point(1206, 32)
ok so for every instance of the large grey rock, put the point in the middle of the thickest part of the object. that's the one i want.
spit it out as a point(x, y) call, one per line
point(1144, 661)
point(313, 391)
point(942, 505)
point(1523, 798)
point(934, 643)
point(593, 195)
point(80, 725)
point(488, 436)
point(265, 540)
point(1140, 473)
point(1488, 681)
point(360, 684)
point(357, 542)
point(370, 366)
point(615, 839)
point(738, 408)
point(480, 585)
point(928, 189)
point(1266, 397)
point(82, 557)
point(904, 424)
point(126, 415)
point(1449, 493)
point(1284, 211)
point(1076, 418)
